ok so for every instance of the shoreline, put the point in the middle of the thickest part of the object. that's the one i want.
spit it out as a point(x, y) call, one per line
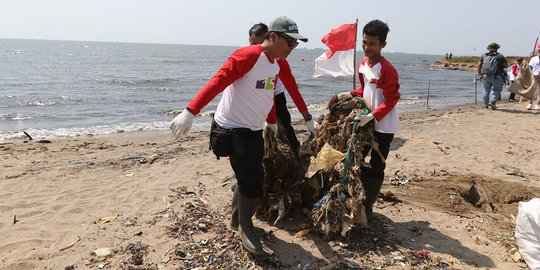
point(467, 63)
point(446, 65)
point(196, 128)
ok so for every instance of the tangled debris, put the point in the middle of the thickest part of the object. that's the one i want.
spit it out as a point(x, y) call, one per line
point(341, 206)
point(332, 159)
point(282, 177)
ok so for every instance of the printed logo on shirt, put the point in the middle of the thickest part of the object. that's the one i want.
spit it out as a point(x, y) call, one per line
point(267, 84)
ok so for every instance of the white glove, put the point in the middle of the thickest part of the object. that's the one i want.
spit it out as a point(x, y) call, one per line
point(364, 119)
point(181, 124)
point(273, 127)
point(311, 127)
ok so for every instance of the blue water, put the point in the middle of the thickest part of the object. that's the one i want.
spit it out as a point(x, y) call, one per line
point(71, 88)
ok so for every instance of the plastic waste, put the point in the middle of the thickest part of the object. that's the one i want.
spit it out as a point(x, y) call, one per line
point(326, 159)
point(528, 232)
point(103, 252)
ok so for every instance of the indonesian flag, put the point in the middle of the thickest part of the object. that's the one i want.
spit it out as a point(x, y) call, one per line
point(339, 60)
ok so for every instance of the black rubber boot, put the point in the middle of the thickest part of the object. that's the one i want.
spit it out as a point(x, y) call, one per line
point(233, 225)
point(234, 206)
point(372, 187)
point(246, 209)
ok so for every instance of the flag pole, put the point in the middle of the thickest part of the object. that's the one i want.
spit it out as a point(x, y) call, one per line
point(354, 57)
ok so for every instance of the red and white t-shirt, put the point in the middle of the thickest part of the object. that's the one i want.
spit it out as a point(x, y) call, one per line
point(248, 81)
point(512, 75)
point(379, 86)
point(287, 82)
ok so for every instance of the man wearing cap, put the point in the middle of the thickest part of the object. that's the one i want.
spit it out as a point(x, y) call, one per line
point(535, 69)
point(491, 72)
point(247, 80)
point(286, 81)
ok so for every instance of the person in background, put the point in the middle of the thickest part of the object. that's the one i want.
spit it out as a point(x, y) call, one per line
point(491, 72)
point(512, 75)
point(379, 86)
point(286, 81)
point(247, 79)
point(535, 68)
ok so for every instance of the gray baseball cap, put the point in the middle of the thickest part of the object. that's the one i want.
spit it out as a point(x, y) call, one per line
point(286, 26)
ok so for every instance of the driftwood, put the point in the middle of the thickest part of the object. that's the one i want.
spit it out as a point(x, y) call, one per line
point(28, 135)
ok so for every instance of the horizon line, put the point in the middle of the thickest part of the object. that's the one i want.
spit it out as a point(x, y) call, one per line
point(165, 43)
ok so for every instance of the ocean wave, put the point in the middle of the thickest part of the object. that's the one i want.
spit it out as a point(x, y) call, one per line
point(156, 81)
point(162, 89)
point(206, 113)
point(112, 81)
point(177, 62)
point(311, 107)
point(171, 112)
point(82, 131)
point(209, 113)
point(411, 101)
point(317, 107)
point(134, 82)
point(14, 117)
point(47, 102)
point(22, 101)
point(16, 51)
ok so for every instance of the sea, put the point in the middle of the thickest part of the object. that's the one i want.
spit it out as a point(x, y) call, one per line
point(58, 89)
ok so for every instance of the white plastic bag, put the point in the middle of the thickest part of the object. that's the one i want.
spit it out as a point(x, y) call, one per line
point(528, 232)
point(326, 159)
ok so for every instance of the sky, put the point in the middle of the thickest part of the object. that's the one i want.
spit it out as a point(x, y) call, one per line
point(461, 27)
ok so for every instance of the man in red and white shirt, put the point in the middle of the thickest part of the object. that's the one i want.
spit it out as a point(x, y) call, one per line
point(248, 80)
point(379, 85)
point(286, 81)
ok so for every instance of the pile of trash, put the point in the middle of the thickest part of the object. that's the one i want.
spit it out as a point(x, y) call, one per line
point(282, 176)
point(204, 241)
point(326, 176)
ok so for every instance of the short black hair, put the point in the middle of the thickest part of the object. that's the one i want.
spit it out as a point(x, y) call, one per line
point(376, 28)
point(258, 29)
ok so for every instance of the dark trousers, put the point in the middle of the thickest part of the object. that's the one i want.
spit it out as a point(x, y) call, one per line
point(285, 117)
point(246, 161)
point(372, 178)
point(512, 95)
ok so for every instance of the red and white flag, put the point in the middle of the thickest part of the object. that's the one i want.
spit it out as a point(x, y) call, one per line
point(339, 60)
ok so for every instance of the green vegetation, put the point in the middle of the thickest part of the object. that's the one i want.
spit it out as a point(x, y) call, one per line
point(464, 59)
point(475, 59)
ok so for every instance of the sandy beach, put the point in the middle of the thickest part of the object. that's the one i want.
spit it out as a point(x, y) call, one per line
point(149, 202)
